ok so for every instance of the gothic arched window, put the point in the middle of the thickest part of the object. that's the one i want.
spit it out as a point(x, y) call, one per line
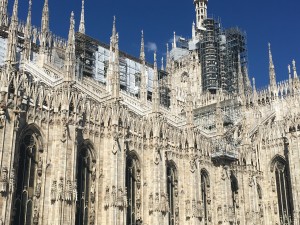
point(283, 186)
point(132, 186)
point(85, 187)
point(171, 186)
point(234, 191)
point(204, 194)
point(26, 180)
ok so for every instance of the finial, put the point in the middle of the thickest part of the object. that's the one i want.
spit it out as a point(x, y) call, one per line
point(114, 30)
point(70, 51)
point(15, 11)
point(295, 69)
point(290, 74)
point(155, 62)
point(254, 85)
point(82, 20)
point(162, 63)
point(29, 13)
point(45, 17)
point(174, 41)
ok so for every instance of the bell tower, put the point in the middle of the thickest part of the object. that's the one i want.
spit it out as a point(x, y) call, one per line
point(201, 11)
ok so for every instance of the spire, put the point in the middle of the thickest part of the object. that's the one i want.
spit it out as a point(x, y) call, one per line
point(142, 52)
point(27, 35)
point(82, 22)
point(45, 18)
point(254, 92)
point(193, 31)
point(272, 74)
point(114, 30)
point(162, 63)
point(70, 52)
point(3, 12)
point(248, 82)
point(254, 85)
point(155, 91)
point(11, 52)
point(116, 74)
point(168, 60)
point(143, 86)
point(295, 69)
point(290, 73)
point(174, 41)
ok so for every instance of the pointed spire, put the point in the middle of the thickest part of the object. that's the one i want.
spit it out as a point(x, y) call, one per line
point(162, 63)
point(295, 69)
point(290, 73)
point(272, 74)
point(168, 60)
point(174, 41)
point(155, 91)
point(11, 52)
point(70, 52)
point(116, 73)
point(3, 12)
point(82, 21)
point(193, 30)
point(114, 29)
point(27, 35)
point(142, 52)
point(254, 85)
point(45, 18)
point(143, 86)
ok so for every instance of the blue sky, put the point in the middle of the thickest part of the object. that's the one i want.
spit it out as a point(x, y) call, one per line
point(264, 21)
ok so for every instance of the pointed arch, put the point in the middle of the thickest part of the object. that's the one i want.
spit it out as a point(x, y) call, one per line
point(280, 168)
point(172, 186)
point(133, 186)
point(29, 149)
point(86, 177)
point(205, 193)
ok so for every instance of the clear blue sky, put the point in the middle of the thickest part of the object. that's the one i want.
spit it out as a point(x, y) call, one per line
point(263, 20)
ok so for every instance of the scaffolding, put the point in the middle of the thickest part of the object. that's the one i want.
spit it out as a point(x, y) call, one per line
point(210, 55)
point(236, 46)
point(219, 55)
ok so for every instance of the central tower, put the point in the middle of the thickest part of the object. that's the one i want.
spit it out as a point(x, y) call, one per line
point(201, 12)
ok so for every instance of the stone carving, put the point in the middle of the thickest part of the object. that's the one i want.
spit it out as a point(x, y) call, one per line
point(54, 191)
point(38, 188)
point(40, 167)
point(4, 181)
point(35, 218)
point(2, 114)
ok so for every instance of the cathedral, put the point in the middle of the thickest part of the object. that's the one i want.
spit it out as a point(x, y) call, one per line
point(90, 135)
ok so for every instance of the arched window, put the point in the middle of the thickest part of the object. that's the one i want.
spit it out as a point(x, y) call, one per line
point(171, 185)
point(26, 180)
point(283, 186)
point(204, 194)
point(133, 186)
point(234, 191)
point(85, 182)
